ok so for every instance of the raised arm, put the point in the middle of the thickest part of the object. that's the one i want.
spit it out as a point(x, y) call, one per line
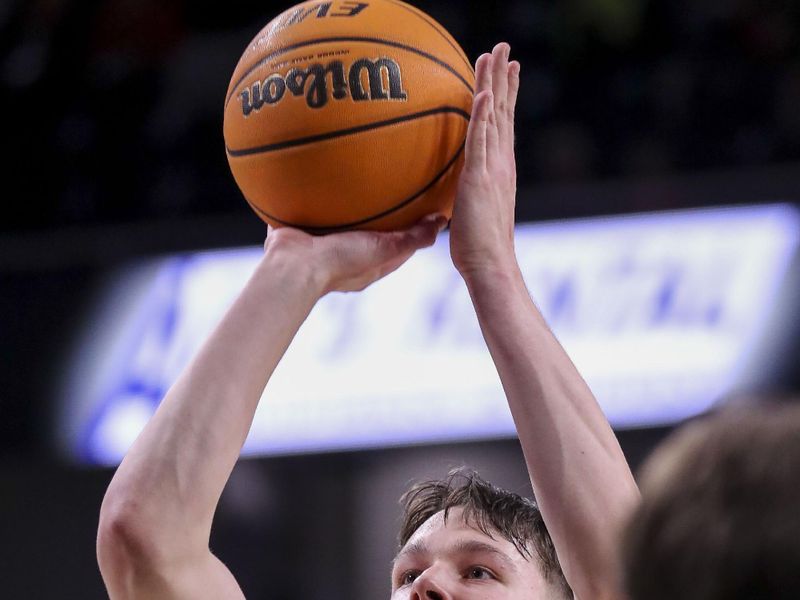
point(579, 474)
point(156, 516)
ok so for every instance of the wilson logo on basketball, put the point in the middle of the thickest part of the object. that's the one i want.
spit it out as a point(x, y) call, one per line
point(312, 82)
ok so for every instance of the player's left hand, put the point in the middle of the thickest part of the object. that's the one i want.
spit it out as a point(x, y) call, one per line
point(482, 227)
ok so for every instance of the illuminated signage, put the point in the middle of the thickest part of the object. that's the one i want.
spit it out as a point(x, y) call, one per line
point(661, 313)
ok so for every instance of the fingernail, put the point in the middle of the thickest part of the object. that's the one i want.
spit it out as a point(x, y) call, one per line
point(436, 219)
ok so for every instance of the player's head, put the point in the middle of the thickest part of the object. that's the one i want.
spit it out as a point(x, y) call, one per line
point(463, 538)
point(720, 516)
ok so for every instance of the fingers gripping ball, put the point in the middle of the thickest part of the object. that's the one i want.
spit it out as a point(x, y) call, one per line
point(349, 115)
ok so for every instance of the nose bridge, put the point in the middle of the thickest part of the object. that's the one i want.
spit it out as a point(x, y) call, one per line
point(432, 584)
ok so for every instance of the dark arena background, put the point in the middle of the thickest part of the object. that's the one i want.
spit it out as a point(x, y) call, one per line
point(113, 156)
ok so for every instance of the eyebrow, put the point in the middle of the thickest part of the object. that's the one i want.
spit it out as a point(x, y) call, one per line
point(476, 547)
point(413, 549)
point(461, 546)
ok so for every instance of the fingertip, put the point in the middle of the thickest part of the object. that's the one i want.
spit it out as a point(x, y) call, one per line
point(437, 220)
point(479, 103)
point(431, 218)
point(502, 49)
point(483, 96)
point(514, 67)
point(486, 109)
point(421, 234)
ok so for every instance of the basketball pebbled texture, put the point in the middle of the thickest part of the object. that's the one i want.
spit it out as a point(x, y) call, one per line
point(349, 115)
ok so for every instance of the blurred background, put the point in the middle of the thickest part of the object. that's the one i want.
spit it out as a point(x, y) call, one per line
point(114, 155)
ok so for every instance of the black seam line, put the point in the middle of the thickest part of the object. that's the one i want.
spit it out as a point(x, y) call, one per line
point(286, 49)
point(343, 132)
point(418, 13)
point(407, 201)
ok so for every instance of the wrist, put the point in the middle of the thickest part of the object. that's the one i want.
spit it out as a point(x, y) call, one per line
point(500, 292)
point(496, 285)
point(492, 275)
point(295, 271)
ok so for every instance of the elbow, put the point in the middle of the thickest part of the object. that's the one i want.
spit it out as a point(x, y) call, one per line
point(115, 547)
point(126, 555)
point(117, 531)
point(124, 539)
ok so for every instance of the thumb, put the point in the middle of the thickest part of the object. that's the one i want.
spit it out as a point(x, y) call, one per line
point(423, 233)
point(398, 246)
point(420, 235)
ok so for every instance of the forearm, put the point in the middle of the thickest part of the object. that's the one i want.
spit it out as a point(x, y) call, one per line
point(580, 476)
point(171, 479)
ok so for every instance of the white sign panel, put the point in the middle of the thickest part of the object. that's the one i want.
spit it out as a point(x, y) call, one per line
point(660, 312)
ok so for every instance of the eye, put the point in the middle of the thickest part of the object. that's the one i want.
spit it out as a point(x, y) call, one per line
point(480, 573)
point(407, 578)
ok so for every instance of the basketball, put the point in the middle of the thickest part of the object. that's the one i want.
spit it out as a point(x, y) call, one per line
point(349, 115)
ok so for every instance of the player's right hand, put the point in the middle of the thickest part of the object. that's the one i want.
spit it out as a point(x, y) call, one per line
point(352, 260)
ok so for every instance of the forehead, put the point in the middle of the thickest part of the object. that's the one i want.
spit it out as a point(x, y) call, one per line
point(438, 536)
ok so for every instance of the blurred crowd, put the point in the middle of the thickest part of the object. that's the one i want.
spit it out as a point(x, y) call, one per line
point(114, 107)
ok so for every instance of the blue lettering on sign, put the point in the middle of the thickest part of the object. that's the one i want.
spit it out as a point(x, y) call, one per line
point(630, 294)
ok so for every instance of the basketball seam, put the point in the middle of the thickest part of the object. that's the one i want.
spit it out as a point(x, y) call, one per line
point(280, 51)
point(396, 207)
point(438, 30)
point(344, 132)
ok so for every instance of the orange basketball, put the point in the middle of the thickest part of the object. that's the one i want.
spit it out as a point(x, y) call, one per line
point(349, 115)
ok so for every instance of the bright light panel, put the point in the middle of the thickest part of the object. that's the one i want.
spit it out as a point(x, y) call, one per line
point(660, 312)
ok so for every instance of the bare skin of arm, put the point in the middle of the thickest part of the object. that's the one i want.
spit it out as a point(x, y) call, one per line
point(581, 479)
point(156, 516)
